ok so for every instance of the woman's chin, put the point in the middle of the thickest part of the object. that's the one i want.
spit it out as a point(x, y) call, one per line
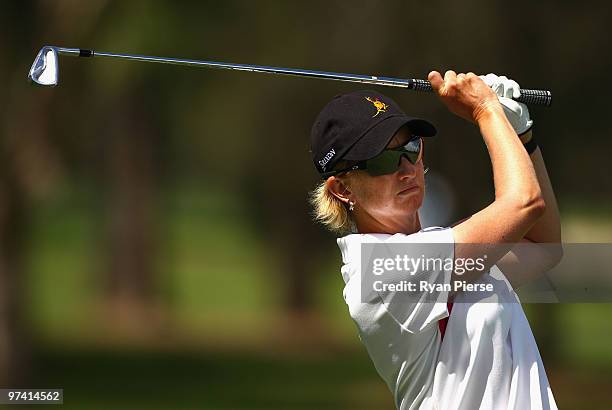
point(409, 204)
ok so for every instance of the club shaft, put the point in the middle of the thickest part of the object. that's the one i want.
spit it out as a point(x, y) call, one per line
point(538, 97)
point(385, 81)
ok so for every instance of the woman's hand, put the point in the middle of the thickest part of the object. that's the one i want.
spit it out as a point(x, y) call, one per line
point(465, 95)
point(516, 112)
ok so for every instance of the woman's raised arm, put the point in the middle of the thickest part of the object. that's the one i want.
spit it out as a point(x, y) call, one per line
point(519, 202)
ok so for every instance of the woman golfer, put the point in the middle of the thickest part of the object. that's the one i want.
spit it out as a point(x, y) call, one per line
point(437, 346)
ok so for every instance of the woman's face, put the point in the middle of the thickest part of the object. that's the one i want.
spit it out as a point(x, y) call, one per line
point(387, 203)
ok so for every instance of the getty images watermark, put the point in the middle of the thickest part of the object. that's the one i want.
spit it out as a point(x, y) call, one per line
point(413, 266)
point(526, 273)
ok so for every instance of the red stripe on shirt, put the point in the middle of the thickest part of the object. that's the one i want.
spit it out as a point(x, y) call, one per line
point(443, 322)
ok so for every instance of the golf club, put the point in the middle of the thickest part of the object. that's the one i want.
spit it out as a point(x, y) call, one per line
point(45, 71)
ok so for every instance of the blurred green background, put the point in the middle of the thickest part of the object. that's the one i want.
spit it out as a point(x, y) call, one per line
point(156, 248)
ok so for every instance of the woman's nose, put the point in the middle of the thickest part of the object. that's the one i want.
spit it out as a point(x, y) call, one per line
point(406, 168)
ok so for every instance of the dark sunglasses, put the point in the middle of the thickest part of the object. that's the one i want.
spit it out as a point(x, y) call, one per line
point(388, 161)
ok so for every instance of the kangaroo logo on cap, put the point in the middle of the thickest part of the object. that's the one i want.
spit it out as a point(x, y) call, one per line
point(379, 105)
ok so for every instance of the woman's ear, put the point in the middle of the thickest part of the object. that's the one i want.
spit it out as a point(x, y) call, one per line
point(338, 188)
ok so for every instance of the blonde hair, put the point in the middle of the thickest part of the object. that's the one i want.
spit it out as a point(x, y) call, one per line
point(330, 211)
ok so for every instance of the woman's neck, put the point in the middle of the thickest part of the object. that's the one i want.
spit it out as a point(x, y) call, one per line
point(406, 226)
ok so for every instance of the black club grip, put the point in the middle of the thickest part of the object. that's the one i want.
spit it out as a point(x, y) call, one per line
point(535, 97)
point(531, 97)
point(421, 85)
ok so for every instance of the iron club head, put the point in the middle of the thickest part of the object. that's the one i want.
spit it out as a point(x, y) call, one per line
point(45, 68)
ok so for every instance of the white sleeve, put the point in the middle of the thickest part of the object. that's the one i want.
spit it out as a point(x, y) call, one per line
point(426, 305)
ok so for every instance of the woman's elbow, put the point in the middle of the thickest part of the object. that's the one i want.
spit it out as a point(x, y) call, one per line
point(549, 255)
point(555, 254)
point(532, 206)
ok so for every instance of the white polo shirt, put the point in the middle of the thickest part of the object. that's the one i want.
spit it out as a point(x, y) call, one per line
point(487, 359)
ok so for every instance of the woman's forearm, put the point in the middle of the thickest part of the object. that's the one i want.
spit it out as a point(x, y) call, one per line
point(518, 199)
point(541, 249)
point(548, 228)
point(514, 176)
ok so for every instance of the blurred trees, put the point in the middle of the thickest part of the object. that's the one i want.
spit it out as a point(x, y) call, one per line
point(129, 139)
point(13, 341)
point(29, 167)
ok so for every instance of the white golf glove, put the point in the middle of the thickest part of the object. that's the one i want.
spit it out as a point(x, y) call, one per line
point(516, 112)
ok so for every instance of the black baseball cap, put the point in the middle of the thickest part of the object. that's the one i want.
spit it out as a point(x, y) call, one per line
point(358, 126)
